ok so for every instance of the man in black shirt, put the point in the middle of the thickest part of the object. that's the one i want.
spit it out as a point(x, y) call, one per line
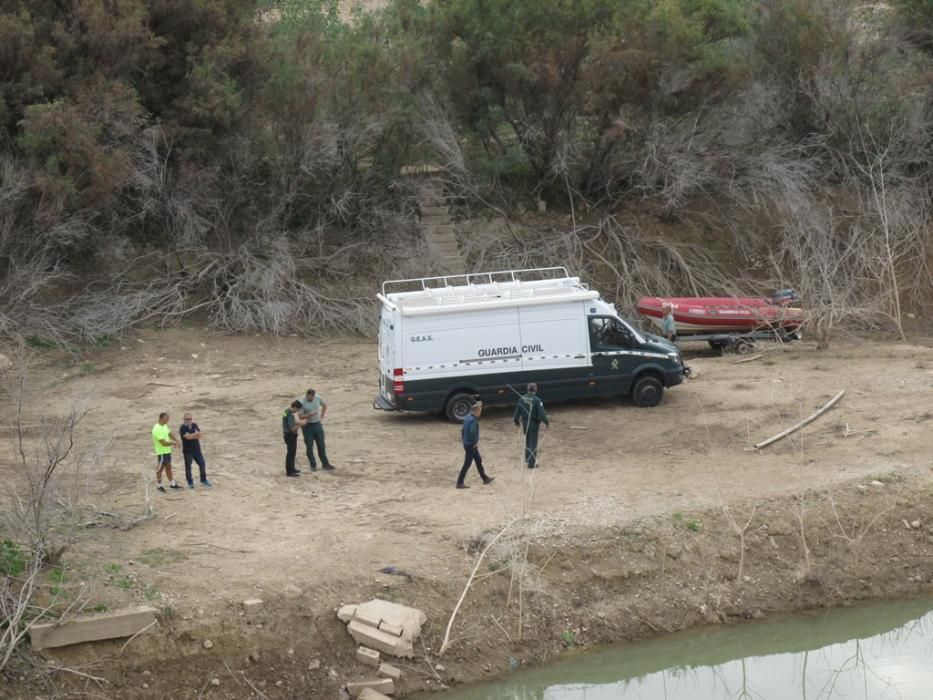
point(190, 435)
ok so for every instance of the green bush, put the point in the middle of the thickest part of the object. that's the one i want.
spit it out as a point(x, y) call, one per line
point(12, 558)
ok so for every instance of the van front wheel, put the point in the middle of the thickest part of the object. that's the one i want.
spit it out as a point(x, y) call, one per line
point(648, 391)
point(458, 406)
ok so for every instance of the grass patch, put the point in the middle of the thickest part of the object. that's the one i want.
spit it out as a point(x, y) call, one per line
point(40, 343)
point(87, 368)
point(160, 556)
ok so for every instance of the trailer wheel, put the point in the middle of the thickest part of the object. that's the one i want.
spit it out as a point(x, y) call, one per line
point(647, 391)
point(743, 347)
point(458, 406)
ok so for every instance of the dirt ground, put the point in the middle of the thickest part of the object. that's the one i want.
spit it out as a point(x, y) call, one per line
point(624, 529)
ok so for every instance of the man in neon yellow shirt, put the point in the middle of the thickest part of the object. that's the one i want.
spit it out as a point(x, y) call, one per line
point(162, 440)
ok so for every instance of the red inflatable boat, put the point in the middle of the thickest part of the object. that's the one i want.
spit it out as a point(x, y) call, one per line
point(705, 315)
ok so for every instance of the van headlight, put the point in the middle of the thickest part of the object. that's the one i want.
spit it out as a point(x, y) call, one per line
point(674, 357)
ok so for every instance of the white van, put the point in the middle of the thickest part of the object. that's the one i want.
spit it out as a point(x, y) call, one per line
point(445, 342)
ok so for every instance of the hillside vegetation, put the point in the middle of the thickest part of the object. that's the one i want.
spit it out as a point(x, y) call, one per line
point(241, 159)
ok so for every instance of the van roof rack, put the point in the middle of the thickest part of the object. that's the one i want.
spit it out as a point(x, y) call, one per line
point(427, 284)
point(481, 290)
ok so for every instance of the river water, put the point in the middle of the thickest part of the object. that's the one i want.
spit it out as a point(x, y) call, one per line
point(874, 651)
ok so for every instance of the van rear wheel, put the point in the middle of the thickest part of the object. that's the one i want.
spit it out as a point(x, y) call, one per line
point(458, 406)
point(648, 391)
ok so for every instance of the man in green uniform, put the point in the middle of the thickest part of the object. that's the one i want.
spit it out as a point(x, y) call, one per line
point(291, 424)
point(530, 414)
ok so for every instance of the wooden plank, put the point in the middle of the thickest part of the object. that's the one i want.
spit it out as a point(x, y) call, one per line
point(91, 628)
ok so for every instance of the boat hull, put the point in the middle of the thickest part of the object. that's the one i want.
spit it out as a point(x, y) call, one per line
point(703, 315)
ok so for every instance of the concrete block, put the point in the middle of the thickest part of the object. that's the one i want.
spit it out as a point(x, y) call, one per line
point(367, 618)
point(345, 614)
point(389, 671)
point(381, 641)
point(367, 656)
point(389, 628)
point(370, 694)
point(92, 628)
point(409, 619)
point(252, 606)
point(386, 686)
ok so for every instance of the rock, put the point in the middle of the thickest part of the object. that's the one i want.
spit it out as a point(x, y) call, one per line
point(747, 579)
point(345, 614)
point(906, 524)
point(215, 682)
point(208, 644)
point(5, 363)
point(252, 606)
point(862, 487)
point(254, 657)
point(915, 524)
point(332, 673)
point(877, 483)
point(145, 686)
point(385, 686)
point(292, 591)
point(389, 671)
point(147, 673)
point(314, 664)
point(439, 668)
point(370, 694)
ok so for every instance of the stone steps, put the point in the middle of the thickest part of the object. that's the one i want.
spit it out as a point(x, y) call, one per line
point(438, 230)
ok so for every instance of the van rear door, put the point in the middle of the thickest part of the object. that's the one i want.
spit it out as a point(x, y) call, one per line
point(387, 353)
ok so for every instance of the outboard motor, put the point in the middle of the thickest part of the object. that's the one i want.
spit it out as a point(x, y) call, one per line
point(785, 297)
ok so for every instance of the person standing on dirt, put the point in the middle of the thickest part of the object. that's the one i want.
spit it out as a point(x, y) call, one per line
point(668, 327)
point(313, 408)
point(530, 414)
point(291, 424)
point(162, 441)
point(191, 435)
point(470, 437)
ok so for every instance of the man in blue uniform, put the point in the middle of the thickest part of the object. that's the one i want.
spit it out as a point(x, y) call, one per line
point(530, 414)
point(470, 436)
point(190, 435)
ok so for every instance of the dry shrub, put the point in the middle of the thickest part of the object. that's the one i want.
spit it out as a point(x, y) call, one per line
point(49, 461)
point(249, 292)
point(626, 263)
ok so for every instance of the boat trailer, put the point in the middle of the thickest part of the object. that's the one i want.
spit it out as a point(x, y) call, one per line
point(741, 343)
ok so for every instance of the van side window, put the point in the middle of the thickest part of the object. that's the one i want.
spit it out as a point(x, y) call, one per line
point(607, 334)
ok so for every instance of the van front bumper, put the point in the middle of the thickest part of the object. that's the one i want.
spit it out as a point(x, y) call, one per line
point(673, 377)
